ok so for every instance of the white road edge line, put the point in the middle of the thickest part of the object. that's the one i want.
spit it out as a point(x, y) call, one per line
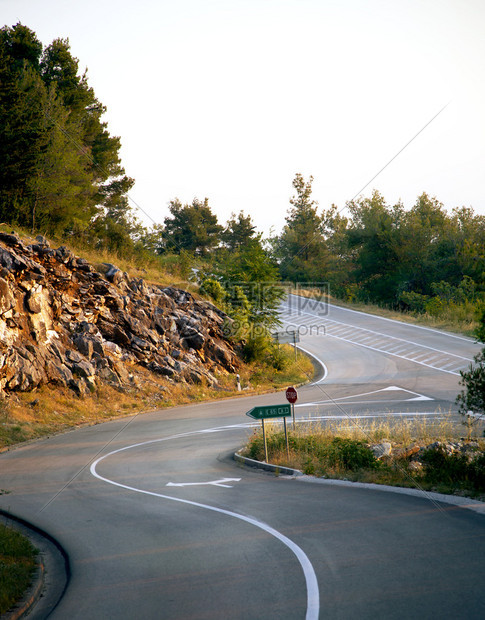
point(402, 357)
point(385, 336)
point(325, 369)
point(383, 318)
point(313, 594)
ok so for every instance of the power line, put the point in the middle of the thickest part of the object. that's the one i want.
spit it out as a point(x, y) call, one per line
point(307, 245)
point(399, 152)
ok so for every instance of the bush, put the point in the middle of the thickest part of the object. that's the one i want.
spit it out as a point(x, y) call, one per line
point(454, 469)
point(257, 346)
point(442, 467)
point(415, 302)
point(351, 454)
point(213, 289)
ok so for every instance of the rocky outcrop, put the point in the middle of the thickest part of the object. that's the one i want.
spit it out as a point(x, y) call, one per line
point(63, 322)
point(414, 454)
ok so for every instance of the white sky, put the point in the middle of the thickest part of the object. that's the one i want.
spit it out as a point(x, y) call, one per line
point(229, 99)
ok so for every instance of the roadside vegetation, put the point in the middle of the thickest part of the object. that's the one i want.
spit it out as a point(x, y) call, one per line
point(417, 454)
point(46, 411)
point(17, 564)
point(462, 322)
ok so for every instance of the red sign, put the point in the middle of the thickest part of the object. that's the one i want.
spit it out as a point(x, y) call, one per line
point(291, 395)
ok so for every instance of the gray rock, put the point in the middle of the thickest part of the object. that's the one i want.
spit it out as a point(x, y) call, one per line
point(83, 369)
point(79, 387)
point(114, 274)
point(10, 238)
point(7, 299)
point(74, 356)
point(59, 315)
point(11, 261)
point(381, 449)
point(33, 300)
point(193, 339)
point(58, 373)
point(42, 241)
point(84, 345)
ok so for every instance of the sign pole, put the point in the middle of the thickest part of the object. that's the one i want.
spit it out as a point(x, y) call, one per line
point(286, 438)
point(264, 439)
point(293, 413)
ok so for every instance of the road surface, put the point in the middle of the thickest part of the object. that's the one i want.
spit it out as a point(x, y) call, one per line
point(159, 521)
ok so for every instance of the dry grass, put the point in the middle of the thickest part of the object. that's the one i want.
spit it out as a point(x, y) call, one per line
point(451, 321)
point(310, 440)
point(340, 450)
point(49, 410)
point(155, 270)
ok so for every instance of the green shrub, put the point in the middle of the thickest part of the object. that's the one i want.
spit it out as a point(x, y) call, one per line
point(351, 454)
point(309, 467)
point(257, 346)
point(213, 288)
point(477, 472)
point(454, 469)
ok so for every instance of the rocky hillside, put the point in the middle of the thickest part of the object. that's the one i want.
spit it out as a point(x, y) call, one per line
point(62, 322)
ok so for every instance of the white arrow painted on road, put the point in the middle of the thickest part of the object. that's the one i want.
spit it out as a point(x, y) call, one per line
point(214, 483)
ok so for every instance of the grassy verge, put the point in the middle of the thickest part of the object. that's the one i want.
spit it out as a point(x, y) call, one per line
point(422, 454)
point(48, 410)
point(17, 564)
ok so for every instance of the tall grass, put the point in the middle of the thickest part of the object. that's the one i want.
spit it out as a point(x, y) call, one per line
point(340, 449)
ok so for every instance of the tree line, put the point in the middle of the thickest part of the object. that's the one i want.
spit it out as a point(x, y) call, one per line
point(60, 169)
point(422, 259)
point(61, 174)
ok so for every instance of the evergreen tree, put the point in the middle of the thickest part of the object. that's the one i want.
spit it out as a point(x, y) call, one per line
point(59, 167)
point(301, 247)
point(191, 227)
point(22, 131)
point(373, 240)
point(471, 400)
point(238, 232)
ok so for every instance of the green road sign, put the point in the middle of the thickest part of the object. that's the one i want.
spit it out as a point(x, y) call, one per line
point(270, 411)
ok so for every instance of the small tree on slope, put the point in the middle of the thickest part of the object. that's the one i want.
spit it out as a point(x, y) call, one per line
point(471, 400)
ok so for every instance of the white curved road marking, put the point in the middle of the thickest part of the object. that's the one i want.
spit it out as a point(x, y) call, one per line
point(325, 369)
point(382, 318)
point(384, 343)
point(313, 595)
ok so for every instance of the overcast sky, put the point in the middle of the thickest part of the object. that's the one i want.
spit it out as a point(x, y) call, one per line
point(229, 99)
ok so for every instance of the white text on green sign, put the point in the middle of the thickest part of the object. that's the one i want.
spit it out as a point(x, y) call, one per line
point(270, 411)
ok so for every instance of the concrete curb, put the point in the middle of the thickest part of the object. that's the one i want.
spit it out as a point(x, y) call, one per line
point(277, 469)
point(51, 577)
point(454, 500)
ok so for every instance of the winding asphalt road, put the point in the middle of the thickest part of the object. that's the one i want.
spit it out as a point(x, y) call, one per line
point(160, 522)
